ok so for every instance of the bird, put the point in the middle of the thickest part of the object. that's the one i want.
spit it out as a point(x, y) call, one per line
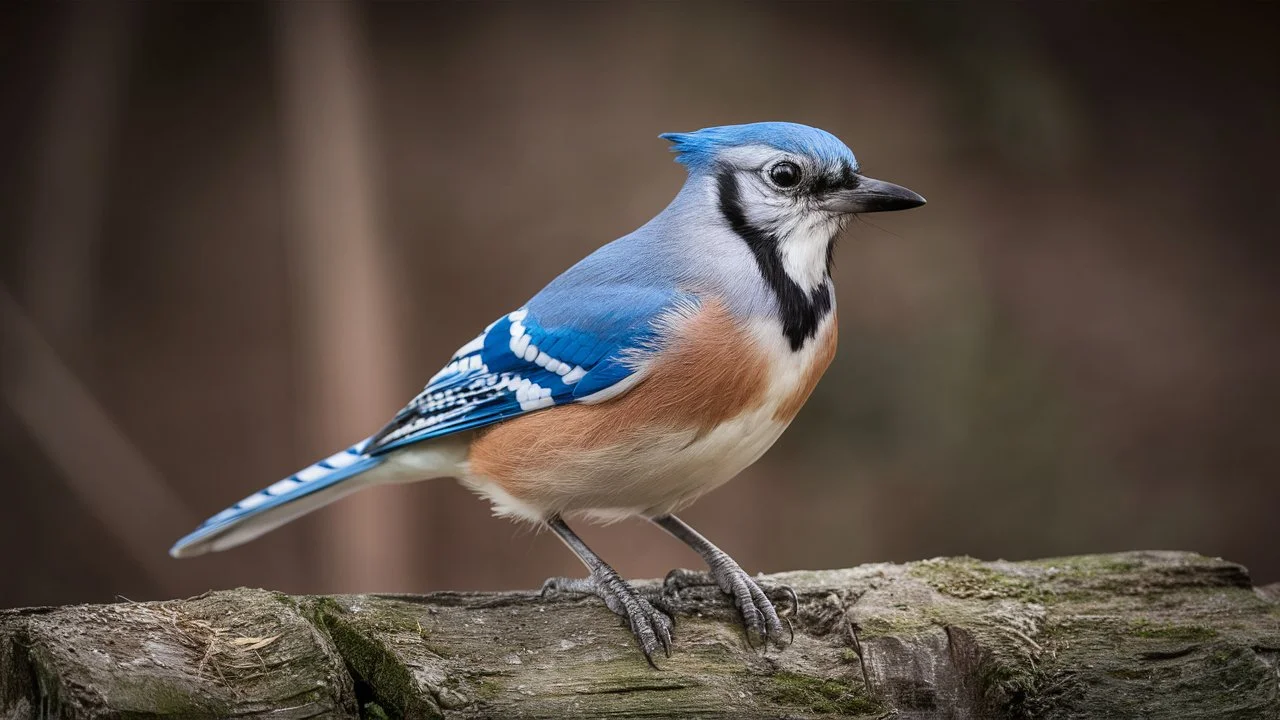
point(646, 375)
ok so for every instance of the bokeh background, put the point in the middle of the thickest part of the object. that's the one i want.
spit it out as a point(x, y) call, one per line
point(236, 237)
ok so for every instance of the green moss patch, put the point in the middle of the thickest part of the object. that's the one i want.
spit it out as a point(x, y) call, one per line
point(1172, 631)
point(819, 695)
point(1091, 565)
point(968, 578)
point(374, 665)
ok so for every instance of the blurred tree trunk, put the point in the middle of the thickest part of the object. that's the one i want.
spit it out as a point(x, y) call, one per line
point(48, 334)
point(343, 287)
point(1152, 635)
point(70, 175)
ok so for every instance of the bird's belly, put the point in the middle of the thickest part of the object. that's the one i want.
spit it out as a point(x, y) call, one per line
point(654, 471)
point(689, 467)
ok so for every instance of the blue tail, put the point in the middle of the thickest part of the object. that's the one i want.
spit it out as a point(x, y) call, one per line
point(267, 509)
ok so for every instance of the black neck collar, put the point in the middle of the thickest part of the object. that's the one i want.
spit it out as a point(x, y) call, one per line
point(801, 311)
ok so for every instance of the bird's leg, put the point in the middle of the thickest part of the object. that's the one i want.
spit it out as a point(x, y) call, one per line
point(651, 626)
point(758, 614)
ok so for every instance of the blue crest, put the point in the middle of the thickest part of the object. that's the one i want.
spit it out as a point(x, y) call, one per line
point(697, 150)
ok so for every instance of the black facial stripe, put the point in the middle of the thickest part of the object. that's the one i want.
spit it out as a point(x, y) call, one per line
point(801, 312)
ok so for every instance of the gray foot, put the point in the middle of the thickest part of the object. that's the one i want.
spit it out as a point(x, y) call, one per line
point(651, 626)
point(759, 616)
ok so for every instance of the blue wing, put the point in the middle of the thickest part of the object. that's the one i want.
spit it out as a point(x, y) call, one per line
point(563, 347)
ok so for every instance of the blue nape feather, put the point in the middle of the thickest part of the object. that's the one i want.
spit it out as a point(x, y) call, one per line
point(697, 150)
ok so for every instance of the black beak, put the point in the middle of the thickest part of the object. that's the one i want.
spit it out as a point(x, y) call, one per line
point(870, 195)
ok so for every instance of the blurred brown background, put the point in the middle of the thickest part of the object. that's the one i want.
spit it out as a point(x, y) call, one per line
point(237, 237)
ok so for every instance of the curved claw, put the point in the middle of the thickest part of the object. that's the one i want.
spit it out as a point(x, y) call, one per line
point(785, 614)
point(664, 635)
point(548, 586)
point(681, 578)
point(795, 601)
point(650, 626)
point(759, 616)
point(670, 585)
point(666, 627)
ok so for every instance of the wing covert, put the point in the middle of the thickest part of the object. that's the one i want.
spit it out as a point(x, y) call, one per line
point(519, 365)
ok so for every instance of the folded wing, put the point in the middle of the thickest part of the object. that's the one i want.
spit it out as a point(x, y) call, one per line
point(581, 348)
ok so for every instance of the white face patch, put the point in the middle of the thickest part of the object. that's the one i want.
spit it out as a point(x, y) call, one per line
point(803, 230)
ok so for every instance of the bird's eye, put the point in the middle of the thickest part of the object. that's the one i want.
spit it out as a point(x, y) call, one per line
point(785, 174)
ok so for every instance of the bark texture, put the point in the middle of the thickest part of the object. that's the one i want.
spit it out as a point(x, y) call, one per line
point(1144, 634)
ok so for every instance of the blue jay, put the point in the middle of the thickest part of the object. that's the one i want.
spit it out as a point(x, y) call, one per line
point(649, 373)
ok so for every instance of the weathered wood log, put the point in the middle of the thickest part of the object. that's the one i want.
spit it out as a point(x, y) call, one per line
point(1149, 634)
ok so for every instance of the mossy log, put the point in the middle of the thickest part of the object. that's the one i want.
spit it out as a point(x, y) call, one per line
point(1149, 634)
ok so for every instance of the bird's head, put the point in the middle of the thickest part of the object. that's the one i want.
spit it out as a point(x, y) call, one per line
point(786, 188)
